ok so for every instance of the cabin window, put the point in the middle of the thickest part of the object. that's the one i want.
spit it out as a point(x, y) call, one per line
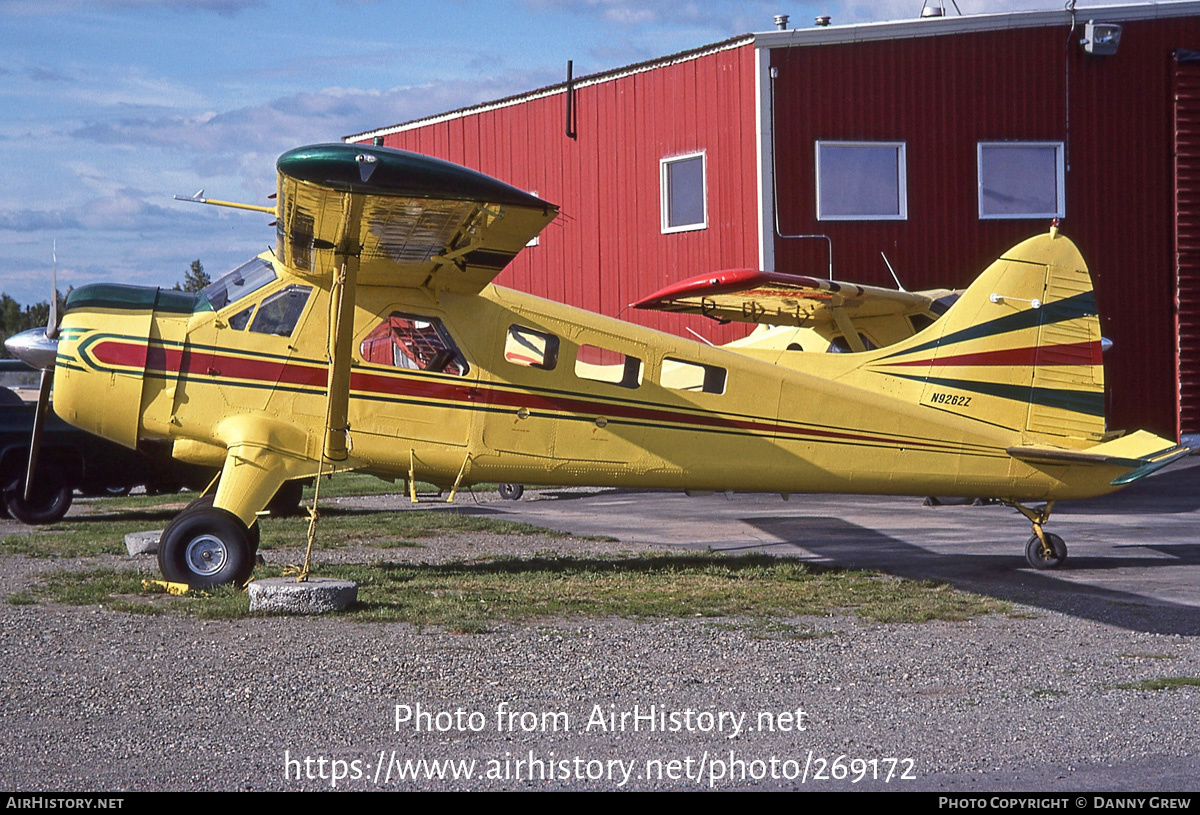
point(861, 181)
point(241, 282)
point(684, 192)
point(692, 376)
point(280, 312)
point(606, 365)
point(239, 321)
point(533, 349)
point(414, 342)
point(1021, 180)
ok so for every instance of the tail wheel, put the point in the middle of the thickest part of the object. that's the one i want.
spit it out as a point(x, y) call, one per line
point(205, 547)
point(48, 503)
point(1048, 556)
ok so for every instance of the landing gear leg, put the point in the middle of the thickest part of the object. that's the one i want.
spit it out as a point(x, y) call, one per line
point(1044, 550)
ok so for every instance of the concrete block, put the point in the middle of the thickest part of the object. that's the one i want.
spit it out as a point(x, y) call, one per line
point(143, 543)
point(317, 595)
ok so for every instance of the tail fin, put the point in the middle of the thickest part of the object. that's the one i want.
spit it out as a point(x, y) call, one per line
point(1020, 349)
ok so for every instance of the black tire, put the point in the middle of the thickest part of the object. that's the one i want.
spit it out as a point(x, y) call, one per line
point(205, 547)
point(206, 502)
point(1037, 557)
point(3, 508)
point(49, 502)
point(286, 500)
point(511, 492)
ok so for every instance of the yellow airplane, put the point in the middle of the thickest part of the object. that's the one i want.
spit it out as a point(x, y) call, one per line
point(372, 339)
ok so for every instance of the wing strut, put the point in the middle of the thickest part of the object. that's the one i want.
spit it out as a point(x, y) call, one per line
point(341, 341)
point(341, 331)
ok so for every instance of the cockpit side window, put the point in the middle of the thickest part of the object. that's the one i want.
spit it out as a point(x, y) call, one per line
point(280, 312)
point(415, 342)
point(241, 282)
point(240, 320)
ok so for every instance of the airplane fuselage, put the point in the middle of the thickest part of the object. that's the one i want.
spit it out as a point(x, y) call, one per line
point(525, 390)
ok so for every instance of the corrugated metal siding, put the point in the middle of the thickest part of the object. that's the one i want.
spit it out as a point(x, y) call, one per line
point(1187, 239)
point(943, 95)
point(607, 250)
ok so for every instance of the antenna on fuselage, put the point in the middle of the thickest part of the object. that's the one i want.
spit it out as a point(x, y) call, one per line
point(699, 336)
point(890, 269)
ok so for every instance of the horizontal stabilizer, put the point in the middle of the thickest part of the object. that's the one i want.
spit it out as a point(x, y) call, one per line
point(1138, 454)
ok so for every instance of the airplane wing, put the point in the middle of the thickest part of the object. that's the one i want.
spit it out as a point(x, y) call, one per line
point(411, 220)
point(751, 296)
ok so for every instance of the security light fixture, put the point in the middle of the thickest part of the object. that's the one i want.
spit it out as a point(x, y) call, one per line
point(1101, 39)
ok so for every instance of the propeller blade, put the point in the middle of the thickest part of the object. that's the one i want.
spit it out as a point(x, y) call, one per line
point(52, 322)
point(39, 419)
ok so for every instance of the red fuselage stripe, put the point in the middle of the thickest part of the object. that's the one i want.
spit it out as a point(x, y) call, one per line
point(1079, 353)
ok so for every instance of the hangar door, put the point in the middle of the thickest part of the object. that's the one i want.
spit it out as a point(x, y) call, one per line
point(1187, 237)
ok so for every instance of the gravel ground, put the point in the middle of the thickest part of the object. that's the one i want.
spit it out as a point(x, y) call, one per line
point(98, 700)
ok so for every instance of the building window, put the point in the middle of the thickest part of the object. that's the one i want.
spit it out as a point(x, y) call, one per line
point(1021, 180)
point(536, 239)
point(684, 193)
point(861, 181)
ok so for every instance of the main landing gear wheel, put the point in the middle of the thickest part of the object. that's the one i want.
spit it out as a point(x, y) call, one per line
point(206, 502)
point(1046, 556)
point(205, 547)
point(510, 492)
point(48, 503)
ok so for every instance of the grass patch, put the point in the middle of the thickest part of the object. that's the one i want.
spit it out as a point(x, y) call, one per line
point(82, 536)
point(1162, 683)
point(388, 530)
point(341, 485)
point(99, 534)
point(173, 501)
point(116, 589)
point(472, 596)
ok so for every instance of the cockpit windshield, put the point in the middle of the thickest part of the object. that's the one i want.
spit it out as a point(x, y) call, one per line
point(245, 279)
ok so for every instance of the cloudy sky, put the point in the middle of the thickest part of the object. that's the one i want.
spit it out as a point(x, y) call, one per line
point(111, 106)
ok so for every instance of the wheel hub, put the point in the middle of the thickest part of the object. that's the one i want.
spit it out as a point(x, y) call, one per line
point(206, 555)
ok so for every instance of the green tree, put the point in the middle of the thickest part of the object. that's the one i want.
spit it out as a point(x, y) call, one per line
point(195, 278)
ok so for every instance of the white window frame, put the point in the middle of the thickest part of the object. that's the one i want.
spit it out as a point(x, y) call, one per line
point(664, 190)
point(901, 182)
point(1059, 172)
point(536, 239)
